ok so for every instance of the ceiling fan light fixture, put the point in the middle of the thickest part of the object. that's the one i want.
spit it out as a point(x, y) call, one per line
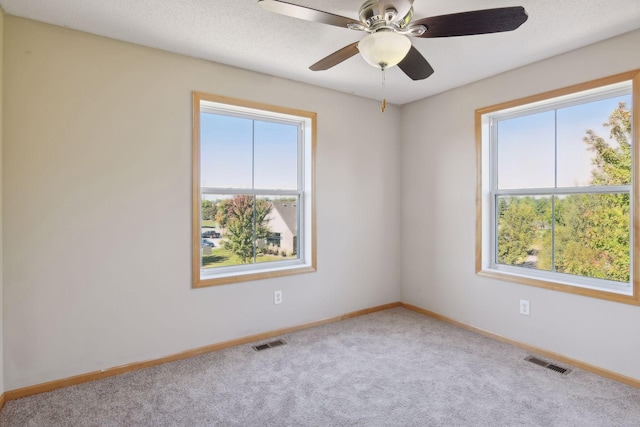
point(384, 49)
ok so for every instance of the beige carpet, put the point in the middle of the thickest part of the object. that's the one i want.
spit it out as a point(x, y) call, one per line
point(392, 368)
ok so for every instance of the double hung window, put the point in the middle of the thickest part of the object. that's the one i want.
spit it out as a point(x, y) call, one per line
point(253, 198)
point(557, 188)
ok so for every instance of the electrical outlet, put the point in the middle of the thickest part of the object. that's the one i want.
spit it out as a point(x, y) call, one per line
point(524, 307)
point(277, 297)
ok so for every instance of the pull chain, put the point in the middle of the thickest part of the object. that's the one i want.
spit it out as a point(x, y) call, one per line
point(384, 98)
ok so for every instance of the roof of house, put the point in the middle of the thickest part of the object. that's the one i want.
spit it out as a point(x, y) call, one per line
point(288, 210)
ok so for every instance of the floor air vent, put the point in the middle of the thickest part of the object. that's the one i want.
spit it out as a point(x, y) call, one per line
point(547, 365)
point(276, 343)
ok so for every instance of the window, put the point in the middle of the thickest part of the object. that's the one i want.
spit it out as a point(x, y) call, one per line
point(273, 239)
point(557, 177)
point(253, 210)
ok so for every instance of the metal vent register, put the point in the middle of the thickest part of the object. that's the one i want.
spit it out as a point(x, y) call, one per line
point(548, 365)
point(276, 343)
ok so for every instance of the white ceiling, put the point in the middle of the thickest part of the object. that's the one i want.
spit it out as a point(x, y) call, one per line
point(242, 34)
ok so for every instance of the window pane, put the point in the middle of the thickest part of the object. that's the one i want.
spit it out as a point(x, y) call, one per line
point(524, 231)
point(592, 235)
point(246, 229)
point(582, 128)
point(225, 151)
point(279, 236)
point(276, 156)
point(526, 151)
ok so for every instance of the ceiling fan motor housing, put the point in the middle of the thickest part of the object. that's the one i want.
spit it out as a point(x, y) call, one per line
point(377, 14)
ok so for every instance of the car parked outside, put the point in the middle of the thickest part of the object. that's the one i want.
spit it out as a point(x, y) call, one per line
point(211, 234)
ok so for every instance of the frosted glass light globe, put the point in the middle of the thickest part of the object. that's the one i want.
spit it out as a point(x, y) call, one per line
point(384, 49)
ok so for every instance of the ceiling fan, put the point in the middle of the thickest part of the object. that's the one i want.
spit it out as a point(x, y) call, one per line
point(389, 22)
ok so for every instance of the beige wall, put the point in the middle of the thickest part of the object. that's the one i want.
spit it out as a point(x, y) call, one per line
point(97, 169)
point(438, 236)
point(1, 258)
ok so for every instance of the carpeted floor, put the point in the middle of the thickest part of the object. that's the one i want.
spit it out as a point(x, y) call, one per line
point(391, 368)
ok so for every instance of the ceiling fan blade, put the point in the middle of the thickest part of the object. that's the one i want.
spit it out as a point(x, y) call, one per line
point(415, 65)
point(474, 22)
point(335, 58)
point(306, 13)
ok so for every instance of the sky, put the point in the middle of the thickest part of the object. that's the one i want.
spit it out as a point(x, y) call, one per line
point(528, 144)
point(227, 144)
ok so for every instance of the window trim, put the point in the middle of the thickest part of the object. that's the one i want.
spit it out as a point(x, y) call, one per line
point(483, 204)
point(308, 258)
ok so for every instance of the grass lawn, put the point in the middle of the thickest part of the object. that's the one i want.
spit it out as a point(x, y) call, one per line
point(220, 257)
point(209, 223)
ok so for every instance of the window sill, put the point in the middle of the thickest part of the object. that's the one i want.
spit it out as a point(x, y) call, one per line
point(561, 287)
point(255, 274)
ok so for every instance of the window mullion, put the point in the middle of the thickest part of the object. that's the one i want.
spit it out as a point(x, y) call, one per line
point(555, 186)
point(253, 187)
point(259, 192)
point(301, 189)
point(553, 233)
point(493, 179)
point(611, 189)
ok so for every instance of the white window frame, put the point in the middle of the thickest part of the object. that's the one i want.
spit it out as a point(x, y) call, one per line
point(306, 124)
point(488, 192)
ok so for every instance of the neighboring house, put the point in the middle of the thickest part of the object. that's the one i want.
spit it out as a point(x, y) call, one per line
point(283, 223)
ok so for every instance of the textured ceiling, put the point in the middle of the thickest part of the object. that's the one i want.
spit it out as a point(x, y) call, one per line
point(242, 34)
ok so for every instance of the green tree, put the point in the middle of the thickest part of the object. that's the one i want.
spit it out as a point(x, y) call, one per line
point(516, 230)
point(592, 235)
point(542, 209)
point(245, 219)
point(221, 216)
point(209, 210)
point(613, 163)
point(591, 232)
